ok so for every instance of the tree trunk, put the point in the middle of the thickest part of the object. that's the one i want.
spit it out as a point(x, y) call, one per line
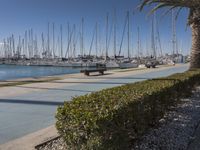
point(195, 51)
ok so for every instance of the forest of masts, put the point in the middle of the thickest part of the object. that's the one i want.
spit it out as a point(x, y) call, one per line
point(56, 43)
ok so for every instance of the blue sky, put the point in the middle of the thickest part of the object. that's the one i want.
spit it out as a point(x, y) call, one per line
point(20, 15)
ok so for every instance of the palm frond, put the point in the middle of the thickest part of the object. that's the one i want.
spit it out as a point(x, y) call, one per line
point(169, 3)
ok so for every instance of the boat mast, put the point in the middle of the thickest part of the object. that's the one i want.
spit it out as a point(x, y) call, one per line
point(13, 44)
point(61, 41)
point(147, 47)
point(43, 48)
point(138, 42)
point(10, 42)
point(4, 48)
point(115, 41)
point(18, 47)
point(158, 38)
point(124, 30)
point(53, 40)
point(82, 37)
point(96, 40)
point(107, 17)
point(58, 46)
point(91, 45)
point(29, 47)
point(7, 47)
point(48, 43)
point(153, 39)
point(128, 34)
point(74, 42)
point(173, 33)
point(100, 41)
point(69, 44)
point(36, 46)
point(25, 45)
point(31, 42)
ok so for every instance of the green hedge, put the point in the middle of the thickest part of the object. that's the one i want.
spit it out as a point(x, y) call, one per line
point(114, 118)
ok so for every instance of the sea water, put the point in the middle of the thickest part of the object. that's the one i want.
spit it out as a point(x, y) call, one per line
point(8, 72)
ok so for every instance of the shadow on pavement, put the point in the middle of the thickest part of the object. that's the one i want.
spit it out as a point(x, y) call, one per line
point(54, 89)
point(31, 102)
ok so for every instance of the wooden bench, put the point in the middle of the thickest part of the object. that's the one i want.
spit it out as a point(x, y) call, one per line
point(88, 71)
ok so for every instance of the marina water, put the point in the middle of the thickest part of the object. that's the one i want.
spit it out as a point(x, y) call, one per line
point(8, 72)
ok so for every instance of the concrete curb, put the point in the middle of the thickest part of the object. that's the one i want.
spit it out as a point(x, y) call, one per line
point(29, 142)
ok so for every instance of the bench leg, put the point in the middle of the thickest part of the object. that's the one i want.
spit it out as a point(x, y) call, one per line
point(101, 72)
point(87, 73)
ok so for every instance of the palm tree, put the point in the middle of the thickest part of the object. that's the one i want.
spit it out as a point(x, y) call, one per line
point(193, 21)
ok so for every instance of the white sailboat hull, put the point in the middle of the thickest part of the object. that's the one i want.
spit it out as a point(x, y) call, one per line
point(112, 65)
point(127, 65)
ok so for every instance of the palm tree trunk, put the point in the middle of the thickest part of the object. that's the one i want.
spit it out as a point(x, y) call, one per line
point(195, 51)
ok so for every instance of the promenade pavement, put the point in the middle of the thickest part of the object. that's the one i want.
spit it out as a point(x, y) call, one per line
point(25, 109)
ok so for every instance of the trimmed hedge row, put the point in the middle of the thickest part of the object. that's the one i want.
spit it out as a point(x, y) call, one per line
point(114, 118)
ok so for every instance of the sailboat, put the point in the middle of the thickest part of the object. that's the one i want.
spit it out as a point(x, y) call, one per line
point(128, 63)
point(112, 62)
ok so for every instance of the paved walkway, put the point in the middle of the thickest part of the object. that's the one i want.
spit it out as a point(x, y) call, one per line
point(28, 108)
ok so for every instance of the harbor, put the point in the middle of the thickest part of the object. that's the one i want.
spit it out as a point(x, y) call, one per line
point(69, 45)
point(101, 74)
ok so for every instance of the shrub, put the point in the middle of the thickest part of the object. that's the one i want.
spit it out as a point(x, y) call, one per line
point(114, 118)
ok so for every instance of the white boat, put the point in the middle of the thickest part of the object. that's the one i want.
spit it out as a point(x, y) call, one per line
point(142, 66)
point(128, 64)
point(171, 62)
point(112, 64)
